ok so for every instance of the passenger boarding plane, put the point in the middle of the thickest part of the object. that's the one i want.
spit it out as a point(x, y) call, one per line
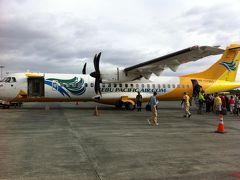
point(120, 87)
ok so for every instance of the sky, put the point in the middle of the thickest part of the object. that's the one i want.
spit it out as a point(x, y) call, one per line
point(59, 36)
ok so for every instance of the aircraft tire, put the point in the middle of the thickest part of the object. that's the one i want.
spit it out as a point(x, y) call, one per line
point(119, 104)
point(129, 106)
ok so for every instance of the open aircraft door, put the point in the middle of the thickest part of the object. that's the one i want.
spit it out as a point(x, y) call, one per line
point(35, 85)
point(196, 87)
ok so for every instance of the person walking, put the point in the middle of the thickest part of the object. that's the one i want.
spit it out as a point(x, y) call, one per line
point(211, 96)
point(201, 100)
point(218, 104)
point(227, 103)
point(153, 103)
point(224, 109)
point(139, 100)
point(208, 103)
point(231, 104)
point(186, 103)
point(237, 104)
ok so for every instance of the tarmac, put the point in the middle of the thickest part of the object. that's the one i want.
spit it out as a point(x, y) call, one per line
point(65, 141)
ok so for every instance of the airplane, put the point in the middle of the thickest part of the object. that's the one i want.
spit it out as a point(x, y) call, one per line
point(119, 87)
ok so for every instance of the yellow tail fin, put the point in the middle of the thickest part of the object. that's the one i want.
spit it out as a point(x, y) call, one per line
point(225, 68)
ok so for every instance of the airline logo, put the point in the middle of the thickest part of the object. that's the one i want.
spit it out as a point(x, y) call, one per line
point(75, 86)
point(229, 66)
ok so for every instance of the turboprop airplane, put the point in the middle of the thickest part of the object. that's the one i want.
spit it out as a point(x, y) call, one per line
point(120, 87)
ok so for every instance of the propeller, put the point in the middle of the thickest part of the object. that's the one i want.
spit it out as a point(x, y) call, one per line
point(96, 74)
point(84, 69)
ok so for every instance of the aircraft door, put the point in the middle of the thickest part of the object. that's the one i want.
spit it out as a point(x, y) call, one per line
point(36, 86)
point(196, 87)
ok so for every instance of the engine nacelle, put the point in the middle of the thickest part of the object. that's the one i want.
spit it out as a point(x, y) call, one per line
point(117, 75)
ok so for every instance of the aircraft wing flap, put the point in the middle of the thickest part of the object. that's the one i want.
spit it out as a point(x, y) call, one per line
point(173, 60)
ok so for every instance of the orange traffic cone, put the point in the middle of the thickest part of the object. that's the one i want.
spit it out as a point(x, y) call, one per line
point(96, 113)
point(220, 124)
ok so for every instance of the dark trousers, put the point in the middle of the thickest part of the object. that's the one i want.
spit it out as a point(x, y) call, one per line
point(139, 105)
point(200, 107)
point(208, 107)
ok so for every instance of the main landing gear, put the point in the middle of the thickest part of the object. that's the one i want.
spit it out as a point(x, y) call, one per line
point(127, 103)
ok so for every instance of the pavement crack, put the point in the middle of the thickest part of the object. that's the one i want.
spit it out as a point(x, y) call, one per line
point(83, 147)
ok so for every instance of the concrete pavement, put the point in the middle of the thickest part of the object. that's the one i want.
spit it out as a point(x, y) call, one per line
point(68, 142)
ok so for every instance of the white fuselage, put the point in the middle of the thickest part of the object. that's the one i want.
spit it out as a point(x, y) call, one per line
point(80, 87)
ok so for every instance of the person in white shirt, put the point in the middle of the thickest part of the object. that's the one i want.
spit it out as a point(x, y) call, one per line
point(153, 103)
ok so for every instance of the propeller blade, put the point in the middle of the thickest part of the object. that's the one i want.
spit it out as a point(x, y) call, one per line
point(97, 86)
point(84, 69)
point(96, 74)
point(97, 63)
point(93, 74)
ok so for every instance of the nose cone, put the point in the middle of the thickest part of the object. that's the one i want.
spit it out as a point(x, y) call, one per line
point(1, 90)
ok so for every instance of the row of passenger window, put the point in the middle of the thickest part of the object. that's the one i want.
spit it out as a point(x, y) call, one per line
point(153, 86)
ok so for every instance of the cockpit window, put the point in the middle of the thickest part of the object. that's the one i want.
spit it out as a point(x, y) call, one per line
point(13, 79)
point(3, 80)
point(9, 79)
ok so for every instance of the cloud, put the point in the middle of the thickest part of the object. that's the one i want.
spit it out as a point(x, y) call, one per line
point(54, 36)
point(220, 22)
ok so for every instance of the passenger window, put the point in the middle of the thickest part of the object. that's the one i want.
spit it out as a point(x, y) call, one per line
point(109, 85)
point(131, 85)
point(114, 85)
point(187, 85)
point(142, 85)
point(86, 85)
point(153, 86)
point(159, 86)
point(183, 86)
point(164, 86)
point(169, 86)
point(178, 86)
point(173, 85)
point(148, 85)
point(137, 85)
point(126, 85)
point(120, 85)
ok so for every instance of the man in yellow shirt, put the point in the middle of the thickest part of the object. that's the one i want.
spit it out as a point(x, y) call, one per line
point(186, 103)
point(217, 103)
point(201, 101)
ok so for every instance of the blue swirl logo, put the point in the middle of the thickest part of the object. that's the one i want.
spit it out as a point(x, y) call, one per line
point(75, 86)
point(230, 66)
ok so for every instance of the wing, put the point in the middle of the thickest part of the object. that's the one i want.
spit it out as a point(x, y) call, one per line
point(172, 60)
